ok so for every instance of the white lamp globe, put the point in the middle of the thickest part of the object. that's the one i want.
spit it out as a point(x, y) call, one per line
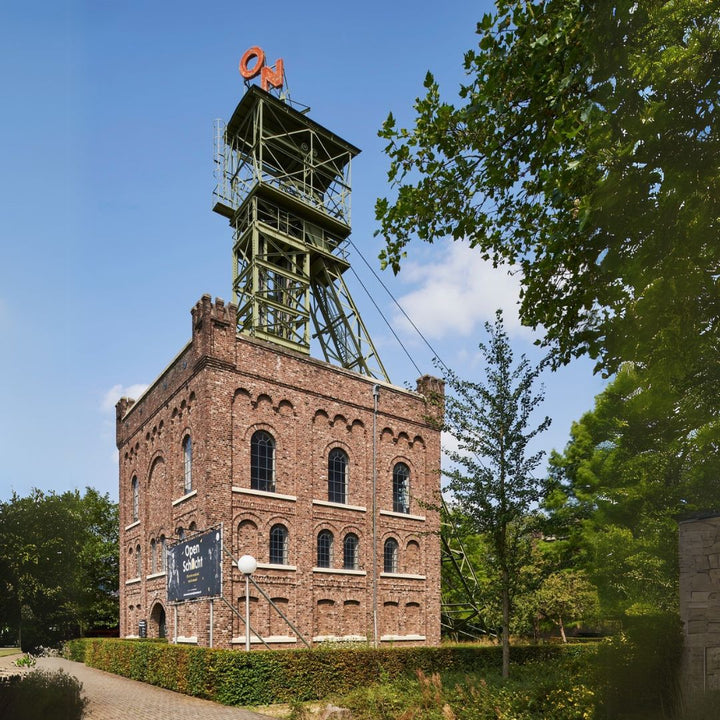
point(247, 564)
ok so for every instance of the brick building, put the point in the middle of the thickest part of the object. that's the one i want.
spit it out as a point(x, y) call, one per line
point(282, 451)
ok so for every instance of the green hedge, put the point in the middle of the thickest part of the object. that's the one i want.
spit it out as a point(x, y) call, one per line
point(262, 677)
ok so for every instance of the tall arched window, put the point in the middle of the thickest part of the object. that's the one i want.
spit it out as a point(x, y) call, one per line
point(162, 550)
point(279, 545)
point(153, 556)
point(138, 561)
point(262, 461)
point(350, 552)
point(390, 556)
point(324, 549)
point(187, 464)
point(135, 499)
point(337, 475)
point(401, 489)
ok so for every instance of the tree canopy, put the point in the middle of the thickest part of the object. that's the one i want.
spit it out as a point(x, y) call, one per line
point(58, 566)
point(584, 150)
point(616, 492)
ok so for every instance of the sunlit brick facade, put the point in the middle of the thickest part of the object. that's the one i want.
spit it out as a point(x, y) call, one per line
point(282, 451)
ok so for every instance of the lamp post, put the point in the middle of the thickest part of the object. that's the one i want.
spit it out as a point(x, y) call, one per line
point(247, 565)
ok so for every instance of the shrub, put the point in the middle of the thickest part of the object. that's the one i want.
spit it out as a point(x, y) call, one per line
point(42, 694)
point(637, 670)
point(262, 677)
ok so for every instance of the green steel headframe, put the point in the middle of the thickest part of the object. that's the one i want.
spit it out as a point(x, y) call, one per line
point(283, 182)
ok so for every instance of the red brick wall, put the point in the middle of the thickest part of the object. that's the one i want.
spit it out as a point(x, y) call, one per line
point(220, 389)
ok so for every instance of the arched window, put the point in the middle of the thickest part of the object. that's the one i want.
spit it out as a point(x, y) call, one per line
point(324, 549)
point(138, 561)
point(162, 550)
point(192, 528)
point(262, 461)
point(350, 552)
point(337, 475)
point(153, 556)
point(390, 556)
point(135, 499)
point(187, 464)
point(401, 493)
point(278, 545)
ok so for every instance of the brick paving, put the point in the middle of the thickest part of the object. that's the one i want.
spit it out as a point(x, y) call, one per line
point(116, 698)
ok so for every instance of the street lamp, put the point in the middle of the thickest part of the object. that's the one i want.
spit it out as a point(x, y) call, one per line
point(247, 565)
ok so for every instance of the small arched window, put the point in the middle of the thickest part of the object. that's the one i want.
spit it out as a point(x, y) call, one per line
point(350, 552)
point(401, 489)
point(262, 461)
point(279, 545)
point(324, 549)
point(390, 556)
point(337, 475)
point(187, 464)
point(135, 498)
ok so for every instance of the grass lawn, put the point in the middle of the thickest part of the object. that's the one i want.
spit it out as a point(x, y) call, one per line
point(9, 651)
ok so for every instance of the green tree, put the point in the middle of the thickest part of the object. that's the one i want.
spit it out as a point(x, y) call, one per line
point(492, 478)
point(58, 565)
point(616, 491)
point(584, 149)
point(565, 596)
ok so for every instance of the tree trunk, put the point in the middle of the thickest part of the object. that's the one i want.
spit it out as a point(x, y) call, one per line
point(562, 629)
point(506, 624)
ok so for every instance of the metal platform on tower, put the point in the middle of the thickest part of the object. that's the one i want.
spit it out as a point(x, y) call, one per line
point(283, 182)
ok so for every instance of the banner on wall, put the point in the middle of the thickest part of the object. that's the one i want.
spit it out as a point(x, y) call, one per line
point(194, 567)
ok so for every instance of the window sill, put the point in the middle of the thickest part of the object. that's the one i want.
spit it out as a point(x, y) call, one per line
point(339, 571)
point(272, 566)
point(254, 639)
point(402, 576)
point(192, 493)
point(340, 638)
point(341, 506)
point(155, 575)
point(133, 524)
point(133, 581)
point(400, 638)
point(182, 640)
point(407, 516)
point(264, 493)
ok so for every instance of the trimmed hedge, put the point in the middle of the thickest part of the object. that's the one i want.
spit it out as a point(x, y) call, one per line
point(264, 677)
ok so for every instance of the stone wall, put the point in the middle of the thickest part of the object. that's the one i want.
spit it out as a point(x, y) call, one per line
point(699, 547)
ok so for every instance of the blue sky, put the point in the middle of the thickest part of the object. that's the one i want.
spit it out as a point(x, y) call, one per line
point(107, 233)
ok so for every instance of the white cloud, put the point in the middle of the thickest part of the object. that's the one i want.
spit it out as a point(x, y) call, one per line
point(456, 292)
point(118, 391)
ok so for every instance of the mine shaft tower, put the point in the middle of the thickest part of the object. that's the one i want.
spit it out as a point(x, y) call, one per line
point(283, 182)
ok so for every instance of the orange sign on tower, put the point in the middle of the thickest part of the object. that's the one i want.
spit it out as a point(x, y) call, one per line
point(269, 76)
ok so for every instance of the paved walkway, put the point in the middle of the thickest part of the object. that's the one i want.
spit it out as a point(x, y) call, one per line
point(116, 698)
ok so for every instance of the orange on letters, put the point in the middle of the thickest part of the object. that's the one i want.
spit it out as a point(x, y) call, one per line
point(250, 53)
point(269, 77)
